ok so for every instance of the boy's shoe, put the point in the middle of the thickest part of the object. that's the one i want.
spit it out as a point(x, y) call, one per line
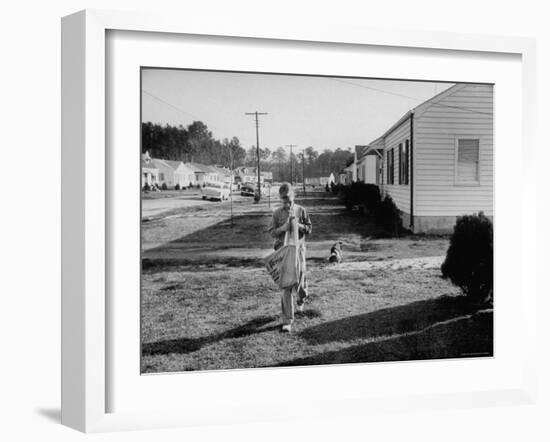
point(286, 328)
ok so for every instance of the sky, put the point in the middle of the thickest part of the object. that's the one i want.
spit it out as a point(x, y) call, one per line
point(322, 112)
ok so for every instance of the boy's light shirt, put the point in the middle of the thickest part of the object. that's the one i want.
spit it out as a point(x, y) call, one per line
point(280, 217)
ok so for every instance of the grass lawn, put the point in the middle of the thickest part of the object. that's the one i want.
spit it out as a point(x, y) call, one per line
point(207, 302)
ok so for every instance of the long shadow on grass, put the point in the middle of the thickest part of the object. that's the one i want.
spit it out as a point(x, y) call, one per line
point(390, 321)
point(329, 218)
point(185, 345)
point(467, 336)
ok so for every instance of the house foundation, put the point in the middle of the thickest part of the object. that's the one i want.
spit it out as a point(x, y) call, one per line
point(434, 225)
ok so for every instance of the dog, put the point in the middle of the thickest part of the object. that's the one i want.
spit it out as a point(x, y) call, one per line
point(336, 253)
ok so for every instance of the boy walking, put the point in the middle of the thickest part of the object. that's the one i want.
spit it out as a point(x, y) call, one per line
point(286, 219)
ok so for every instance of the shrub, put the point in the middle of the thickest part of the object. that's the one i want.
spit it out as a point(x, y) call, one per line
point(327, 189)
point(146, 187)
point(364, 194)
point(347, 196)
point(164, 186)
point(370, 196)
point(352, 195)
point(190, 185)
point(387, 216)
point(469, 260)
point(177, 187)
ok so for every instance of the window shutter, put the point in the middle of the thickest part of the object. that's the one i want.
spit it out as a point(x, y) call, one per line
point(393, 165)
point(407, 162)
point(393, 160)
point(388, 167)
point(400, 163)
point(468, 160)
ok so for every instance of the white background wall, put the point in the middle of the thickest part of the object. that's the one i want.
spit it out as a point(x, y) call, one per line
point(30, 221)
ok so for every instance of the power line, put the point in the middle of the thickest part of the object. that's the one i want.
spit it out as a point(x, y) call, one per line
point(178, 109)
point(408, 97)
point(169, 104)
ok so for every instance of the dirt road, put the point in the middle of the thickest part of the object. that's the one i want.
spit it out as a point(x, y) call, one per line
point(207, 232)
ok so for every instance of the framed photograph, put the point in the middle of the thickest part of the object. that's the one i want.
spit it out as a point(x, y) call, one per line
point(251, 212)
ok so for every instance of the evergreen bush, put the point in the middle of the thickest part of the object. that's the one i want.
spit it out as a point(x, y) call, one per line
point(388, 217)
point(370, 196)
point(469, 260)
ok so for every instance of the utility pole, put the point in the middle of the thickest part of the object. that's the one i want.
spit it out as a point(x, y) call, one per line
point(291, 146)
point(231, 181)
point(258, 149)
point(304, 170)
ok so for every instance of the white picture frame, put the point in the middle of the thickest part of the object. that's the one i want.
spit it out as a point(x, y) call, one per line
point(85, 202)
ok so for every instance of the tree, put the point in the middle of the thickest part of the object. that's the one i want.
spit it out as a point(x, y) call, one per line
point(296, 168)
point(280, 158)
point(232, 154)
point(311, 155)
point(194, 143)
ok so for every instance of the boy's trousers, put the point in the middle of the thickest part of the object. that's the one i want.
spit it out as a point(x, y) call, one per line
point(299, 290)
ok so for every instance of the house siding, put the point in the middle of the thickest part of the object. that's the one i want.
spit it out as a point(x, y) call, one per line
point(370, 169)
point(400, 193)
point(166, 173)
point(436, 130)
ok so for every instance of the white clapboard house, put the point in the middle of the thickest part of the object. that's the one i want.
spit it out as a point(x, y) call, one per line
point(173, 172)
point(149, 172)
point(320, 181)
point(438, 159)
point(205, 174)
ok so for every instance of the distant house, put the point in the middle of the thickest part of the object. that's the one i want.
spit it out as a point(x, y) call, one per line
point(213, 174)
point(173, 173)
point(369, 164)
point(226, 176)
point(350, 172)
point(249, 175)
point(320, 181)
point(266, 177)
point(438, 158)
point(201, 172)
point(339, 177)
point(149, 172)
point(344, 176)
point(312, 181)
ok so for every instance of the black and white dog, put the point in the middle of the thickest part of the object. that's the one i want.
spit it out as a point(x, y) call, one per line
point(336, 253)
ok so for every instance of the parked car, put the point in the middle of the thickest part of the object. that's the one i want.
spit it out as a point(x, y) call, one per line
point(247, 189)
point(216, 191)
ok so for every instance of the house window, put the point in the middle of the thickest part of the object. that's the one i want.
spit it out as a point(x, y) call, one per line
point(161, 176)
point(404, 163)
point(467, 161)
point(390, 157)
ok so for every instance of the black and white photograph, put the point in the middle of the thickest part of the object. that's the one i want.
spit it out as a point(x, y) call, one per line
point(301, 220)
